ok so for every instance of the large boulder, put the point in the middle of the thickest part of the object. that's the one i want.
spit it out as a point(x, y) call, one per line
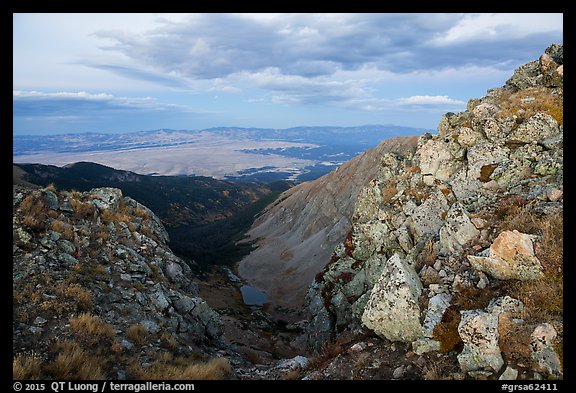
point(458, 230)
point(427, 219)
point(537, 127)
point(478, 330)
point(392, 310)
point(511, 256)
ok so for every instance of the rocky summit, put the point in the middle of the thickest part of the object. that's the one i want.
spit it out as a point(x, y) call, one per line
point(455, 251)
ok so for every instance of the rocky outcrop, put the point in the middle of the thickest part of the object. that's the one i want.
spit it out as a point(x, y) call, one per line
point(478, 330)
point(392, 310)
point(438, 230)
point(297, 234)
point(511, 256)
point(104, 256)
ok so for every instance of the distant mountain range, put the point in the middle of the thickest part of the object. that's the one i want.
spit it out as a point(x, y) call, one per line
point(297, 154)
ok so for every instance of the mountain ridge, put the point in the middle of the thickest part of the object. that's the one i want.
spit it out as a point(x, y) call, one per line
point(284, 235)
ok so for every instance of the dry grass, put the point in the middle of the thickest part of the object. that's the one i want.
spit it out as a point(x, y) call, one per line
point(82, 210)
point(26, 366)
point(137, 333)
point(523, 106)
point(142, 213)
point(167, 368)
point(34, 212)
point(79, 296)
point(75, 363)
point(543, 299)
point(168, 341)
point(440, 368)
point(66, 230)
point(92, 328)
point(388, 191)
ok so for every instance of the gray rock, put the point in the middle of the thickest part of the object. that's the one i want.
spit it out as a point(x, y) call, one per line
point(106, 197)
point(151, 326)
point(510, 374)
point(398, 372)
point(458, 230)
point(483, 155)
point(392, 310)
point(537, 127)
point(436, 160)
point(527, 75)
point(425, 345)
point(543, 352)
point(478, 330)
point(66, 246)
point(159, 298)
point(320, 329)
point(67, 259)
point(297, 362)
point(427, 218)
point(126, 344)
point(51, 199)
point(436, 307)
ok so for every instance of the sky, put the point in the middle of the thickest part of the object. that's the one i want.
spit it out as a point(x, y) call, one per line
point(131, 72)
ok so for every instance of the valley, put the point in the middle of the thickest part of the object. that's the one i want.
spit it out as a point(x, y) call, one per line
point(433, 256)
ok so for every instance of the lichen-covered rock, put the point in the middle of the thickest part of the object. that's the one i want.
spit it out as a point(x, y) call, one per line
point(543, 352)
point(436, 307)
point(504, 151)
point(115, 267)
point(478, 330)
point(537, 127)
point(437, 161)
point(320, 327)
point(458, 230)
point(527, 75)
point(106, 197)
point(428, 217)
point(511, 256)
point(392, 310)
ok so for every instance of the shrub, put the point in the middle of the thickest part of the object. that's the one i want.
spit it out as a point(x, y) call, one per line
point(543, 298)
point(82, 210)
point(137, 333)
point(81, 297)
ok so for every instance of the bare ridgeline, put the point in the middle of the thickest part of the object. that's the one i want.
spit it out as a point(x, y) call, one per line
point(452, 267)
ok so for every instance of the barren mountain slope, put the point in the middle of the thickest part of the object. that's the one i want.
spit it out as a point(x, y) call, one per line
point(297, 235)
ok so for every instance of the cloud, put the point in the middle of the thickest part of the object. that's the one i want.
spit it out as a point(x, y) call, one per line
point(41, 111)
point(45, 103)
point(208, 46)
point(333, 59)
point(430, 100)
point(140, 74)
